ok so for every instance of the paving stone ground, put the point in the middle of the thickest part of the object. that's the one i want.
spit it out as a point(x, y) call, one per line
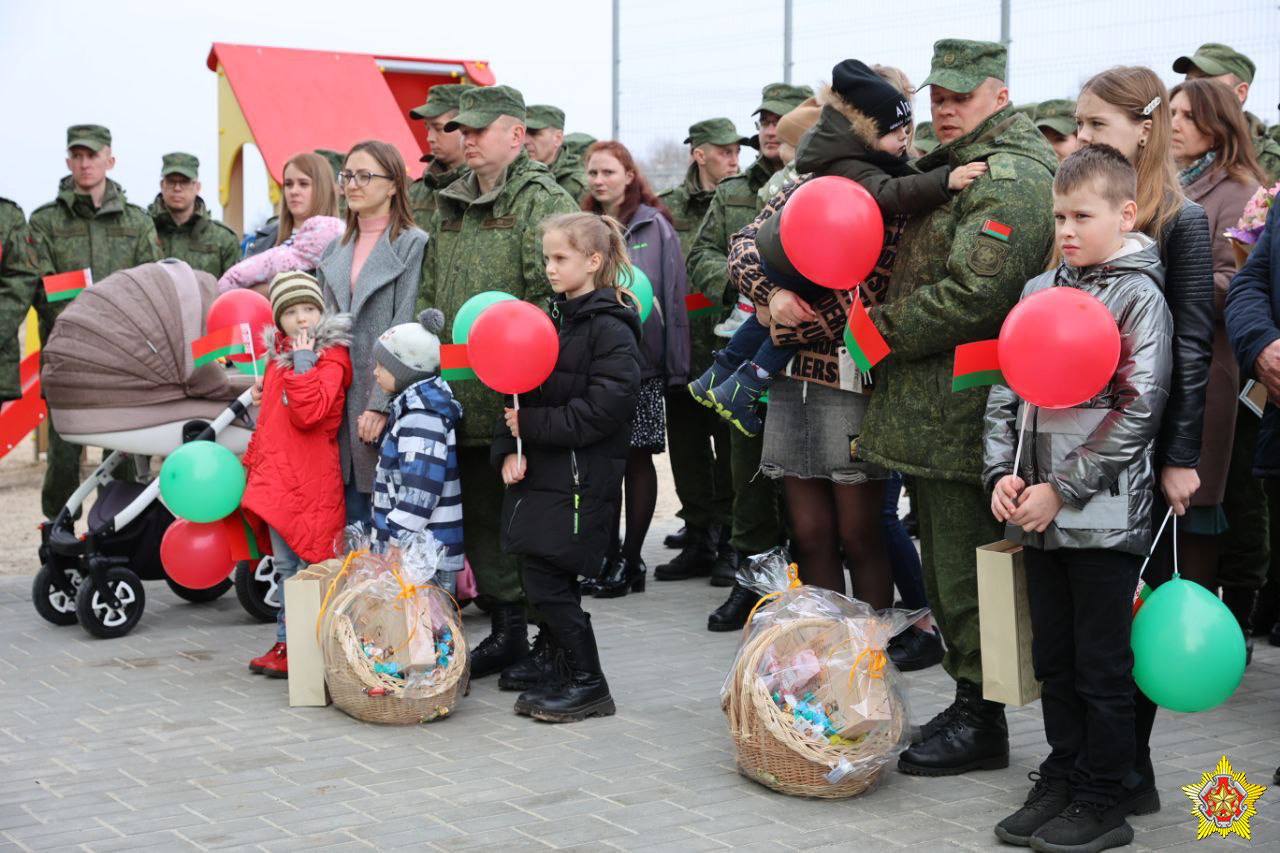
point(164, 741)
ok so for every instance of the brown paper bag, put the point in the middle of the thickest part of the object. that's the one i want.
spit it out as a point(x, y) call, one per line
point(1004, 620)
point(303, 595)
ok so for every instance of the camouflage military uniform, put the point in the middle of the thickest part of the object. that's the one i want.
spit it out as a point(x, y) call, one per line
point(19, 278)
point(953, 282)
point(482, 242)
point(441, 98)
point(757, 524)
point(577, 143)
point(70, 234)
point(1266, 147)
point(568, 167)
point(202, 241)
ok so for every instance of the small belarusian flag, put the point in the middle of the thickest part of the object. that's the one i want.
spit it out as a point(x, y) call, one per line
point(1140, 596)
point(455, 364)
point(999, 230)
point(233, 340)
point(977, 364)
point(246, 535)
point(251, 368)
point(67, 285)
point(698, 305)
point(867, 347)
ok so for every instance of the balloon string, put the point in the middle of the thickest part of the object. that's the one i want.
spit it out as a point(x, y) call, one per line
point(1176, 573)
point(1156, 541)
point(1022, 434)
point(519, 440)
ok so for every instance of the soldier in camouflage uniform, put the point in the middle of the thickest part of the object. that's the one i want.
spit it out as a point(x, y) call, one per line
point(89, 225)
point(19, 278)
point(445, 162)
point(485, 236)
point(578, 143)
point(1056, 121)
point(924, 140)
point(960, 269)
point(698, 439)
point(1244, 560)
point(183, 225)
point(756, 523)
point(545, 143)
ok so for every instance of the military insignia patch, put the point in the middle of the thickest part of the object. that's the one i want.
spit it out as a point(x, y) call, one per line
point(987, 256)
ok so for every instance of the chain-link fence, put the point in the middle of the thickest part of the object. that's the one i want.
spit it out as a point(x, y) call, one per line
point(683, 60)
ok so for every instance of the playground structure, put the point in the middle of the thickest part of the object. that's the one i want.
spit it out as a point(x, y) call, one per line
point(285, 100)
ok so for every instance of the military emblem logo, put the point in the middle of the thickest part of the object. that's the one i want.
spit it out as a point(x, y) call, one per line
point(1223, 801)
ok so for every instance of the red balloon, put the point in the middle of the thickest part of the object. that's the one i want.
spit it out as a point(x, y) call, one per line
point(196, 555)
point(832, 231)
point(1059, 347)
point(241, 306)
point(513, 347)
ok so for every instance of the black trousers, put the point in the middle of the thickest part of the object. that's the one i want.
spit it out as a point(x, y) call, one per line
point(555, 594)
point(1081, 615)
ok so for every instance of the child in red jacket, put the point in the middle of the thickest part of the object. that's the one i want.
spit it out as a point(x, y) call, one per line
point(295, 480)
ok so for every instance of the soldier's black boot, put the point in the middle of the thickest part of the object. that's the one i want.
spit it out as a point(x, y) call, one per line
point(732, 615)
point(677, 540)
point(694, 560)
point(583, 691)
point(535, 669)
point(976, 737)
point(724, 571)
point(1138, 792)
point(507, 643)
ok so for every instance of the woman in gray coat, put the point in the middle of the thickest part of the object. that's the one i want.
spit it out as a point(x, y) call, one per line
point(373, 274)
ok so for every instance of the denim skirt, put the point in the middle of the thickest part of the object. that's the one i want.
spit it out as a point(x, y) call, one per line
point(812, 431)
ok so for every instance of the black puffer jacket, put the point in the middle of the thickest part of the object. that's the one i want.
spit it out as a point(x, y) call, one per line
point(1187, 254)
point(576, 431)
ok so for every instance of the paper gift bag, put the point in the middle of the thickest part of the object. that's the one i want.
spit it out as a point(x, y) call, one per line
point(303, 595)
point(1004, 620)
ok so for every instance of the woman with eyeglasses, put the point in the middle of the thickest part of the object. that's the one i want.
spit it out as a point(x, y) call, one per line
point(372, 273)
point(308, 224)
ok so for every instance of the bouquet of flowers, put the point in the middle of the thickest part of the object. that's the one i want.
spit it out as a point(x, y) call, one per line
point(1246, 232)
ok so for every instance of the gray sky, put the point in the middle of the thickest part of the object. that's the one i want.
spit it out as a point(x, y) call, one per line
point(139, 67)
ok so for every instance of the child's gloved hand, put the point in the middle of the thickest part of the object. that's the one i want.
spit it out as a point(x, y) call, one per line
point(256, 393)
point(1037, 508)
point(962, 176)
point(513, 468)
point(1004, 497)
point(304, 340)
point(512, 418)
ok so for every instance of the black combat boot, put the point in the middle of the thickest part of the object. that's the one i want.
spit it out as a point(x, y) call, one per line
point(507, 643)
point(623, 576)
point(581, 693)
point(677, 540)
point(976, 737)
point(732, 615)
point(538, 668)
point(694, 560)
point(913, 649)
point(1046, 801)
point(724, 571)
point(1138, 792)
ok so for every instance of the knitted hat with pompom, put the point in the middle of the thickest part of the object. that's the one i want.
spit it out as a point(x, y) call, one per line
point(410, 352)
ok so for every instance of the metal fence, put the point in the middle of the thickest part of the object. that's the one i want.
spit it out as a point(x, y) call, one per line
point(685, 60)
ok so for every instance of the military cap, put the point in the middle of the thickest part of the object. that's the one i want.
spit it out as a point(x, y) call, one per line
point(1215, 59)
point(539, 116)
point(577, 143)
point(95, 137)
point(482, 105)
point(336, 159)
point(180, 163)
point(1059, 115)
point(782, 98)
point(925, 139)
point(716, 131)
point(441, 98)
point(962, 65)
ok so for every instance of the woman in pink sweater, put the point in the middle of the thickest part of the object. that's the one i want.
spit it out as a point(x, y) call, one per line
point(308, 224)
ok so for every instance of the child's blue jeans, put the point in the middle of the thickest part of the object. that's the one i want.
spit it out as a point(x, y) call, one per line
point(752, 343)
point(286, 564)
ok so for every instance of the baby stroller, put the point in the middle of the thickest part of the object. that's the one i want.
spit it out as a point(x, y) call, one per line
point(117, 373)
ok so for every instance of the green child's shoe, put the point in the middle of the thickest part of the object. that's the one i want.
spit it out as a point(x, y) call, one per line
point(737, 399)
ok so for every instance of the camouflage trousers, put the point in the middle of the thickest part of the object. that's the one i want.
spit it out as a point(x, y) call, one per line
point(757, 517)
point(955, 520)
point(698, 444)
point(497, 573)
point(1245, 555)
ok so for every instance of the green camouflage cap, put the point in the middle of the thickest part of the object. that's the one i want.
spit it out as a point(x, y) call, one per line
point(480, 107)
point(336, 159)
point(577, 143)
point(782, 98)
point(925, 139)
point(961, 65)
point(180, 163)
point(95, 137)
point(441, 98)
point(539, 116)
point(1059, 115)
point(716, 131)
point(1215, 59)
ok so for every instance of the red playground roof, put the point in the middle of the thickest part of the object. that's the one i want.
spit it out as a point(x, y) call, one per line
point(301, 100)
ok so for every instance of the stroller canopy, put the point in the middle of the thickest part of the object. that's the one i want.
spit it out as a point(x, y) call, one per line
point(126, 342)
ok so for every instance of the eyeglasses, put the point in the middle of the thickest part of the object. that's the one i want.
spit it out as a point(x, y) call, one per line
point(360, 178)
point(761, 124)
point(176, 183)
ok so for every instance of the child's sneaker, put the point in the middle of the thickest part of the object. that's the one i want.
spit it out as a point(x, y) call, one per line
point(719, 371)
point(742, 311)
point(737, 399)
point(1083, 826)
point(274, 664)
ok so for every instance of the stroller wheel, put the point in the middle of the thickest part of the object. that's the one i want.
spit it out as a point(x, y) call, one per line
point(198, 596)
point(52, 603)
point(101, 619)
point(257, 589)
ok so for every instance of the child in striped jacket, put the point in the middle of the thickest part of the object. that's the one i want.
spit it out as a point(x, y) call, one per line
point(416, 484)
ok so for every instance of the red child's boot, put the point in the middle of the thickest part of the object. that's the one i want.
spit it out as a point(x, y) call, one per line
point(274, 663)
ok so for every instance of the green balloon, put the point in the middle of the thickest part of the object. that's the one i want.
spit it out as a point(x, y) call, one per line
point(202, 481)
point(1188, 650)
point(638, 283)
point(471, 309)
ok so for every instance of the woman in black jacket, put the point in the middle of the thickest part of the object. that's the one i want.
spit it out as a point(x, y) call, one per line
point(564, 490)
point(1128, 109)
